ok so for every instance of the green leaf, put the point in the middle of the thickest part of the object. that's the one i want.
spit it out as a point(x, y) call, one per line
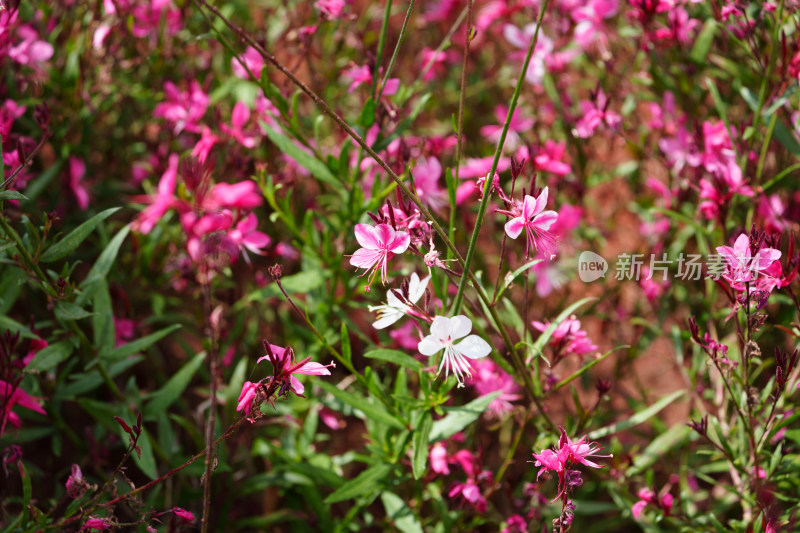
point(103, 265)
point(69, 311)
point(367, 118)
point(395, 356)
point(458, 418)
point(305, 160)
point(8, 323)
point(512, 276)
point(103, 319)
point(702, 45)
point(302, 282)
point(421, 435)
point(397, 510)
point(69, 243)
point(138, 345)
point(26, 492)
point(366, 482)
point(637, 418)
point(160, 400)
point(543, 339)
point(12, 195)
point(347, 351)
point(583, 370)
point(371, 411)
point(656, 450)
point(50, 356)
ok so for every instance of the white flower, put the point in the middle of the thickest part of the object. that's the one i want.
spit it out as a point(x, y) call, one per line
point(444, 331)
point(395, 309)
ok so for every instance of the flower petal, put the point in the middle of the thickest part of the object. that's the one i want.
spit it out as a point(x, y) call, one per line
point(514, 227)
point(460, 326)
point(365, 235)
point(365, 258)
point(474, 347)
point(440, 328)
point(429, 345)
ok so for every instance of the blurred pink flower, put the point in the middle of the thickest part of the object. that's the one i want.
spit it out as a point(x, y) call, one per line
point(330, 9)
point(184, 109)
point(204, 145)
point(75, 482)
point(163, 200)
point(427, 173)
point(568, 338)
point(100, 524)
point(519, 124)
point(241, 195)
point(77, 170)
point(549, 158)
point(12, 395)
point(647, 496)
point(438, 459)
point(252, 60)
point(379, 244)
point(246, 237)
point(239, 119)
point(488, 378)
point(594, 114)
point(183, 514)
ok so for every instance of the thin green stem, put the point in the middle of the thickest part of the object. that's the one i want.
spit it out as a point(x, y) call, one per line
point(381, 43)
point(400, 40)
point(498, 152)
point(26, 257)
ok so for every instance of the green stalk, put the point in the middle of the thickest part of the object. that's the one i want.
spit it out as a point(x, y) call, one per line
point(381, 43)
point(488, 183)
point(396, 49)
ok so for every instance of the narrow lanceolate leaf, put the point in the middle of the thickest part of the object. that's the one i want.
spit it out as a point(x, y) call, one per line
point(103, 265)
point(138, 345)
point(174, 387)
point(637, 418)
point(395, 356)
point(70, 242)
point(50, 356)
point(12, 195)
point(347, 352)
point(366, 482)
point(458, 418)
point(371, 411)
point(513, 275)
point(304, 159)
point(421, 445)
point(396, 509)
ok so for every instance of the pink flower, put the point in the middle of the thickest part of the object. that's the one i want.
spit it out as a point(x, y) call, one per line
point(183, 108)
point(204, 145)
point(13, 395)
point(743, 266)
point(568, 454)
point(242, 195)
point(77, 169)
point(245, 235)
point(488, 378)
point(568, 338)
point(647, 496)
point(426, 174)
point(330, 9)
point(284, 364)
point(239, 118)
point(519, 124)
point(75, 482)
point(359, 75)
point(183, 514)
point(595, 113)
point(589, 17)
point(8, 114)
point(536, 222)
point(379, 244)
point(471, 493)
point(549, 158)
point(249, 391)
point(521, 39)
point(515, 524)
point(100, 524)
point(30, 50)
point(253, 61)
point(438, 459)
point(164, 199)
